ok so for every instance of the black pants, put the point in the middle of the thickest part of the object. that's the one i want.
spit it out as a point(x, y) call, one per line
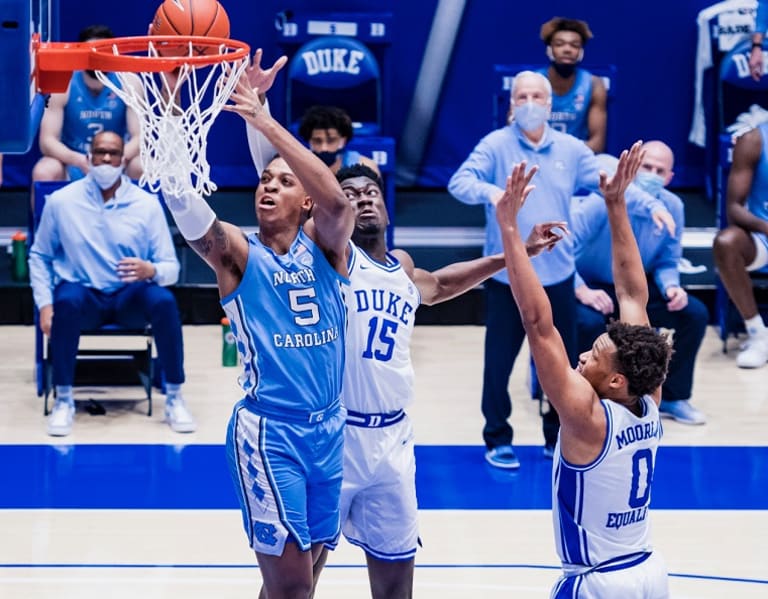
point(504, 335)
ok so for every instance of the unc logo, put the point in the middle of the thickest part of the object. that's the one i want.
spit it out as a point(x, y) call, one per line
point(264, 533)
point(332, 60)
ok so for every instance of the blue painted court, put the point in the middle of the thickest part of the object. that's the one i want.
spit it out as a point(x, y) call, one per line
point(448, 477)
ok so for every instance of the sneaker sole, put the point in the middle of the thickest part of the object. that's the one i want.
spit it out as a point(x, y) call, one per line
point(59, 432)
point(182, 428)
point(681, 420)
point(501, 465)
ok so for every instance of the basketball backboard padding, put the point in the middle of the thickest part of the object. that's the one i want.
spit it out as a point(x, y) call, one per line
point(15, 69)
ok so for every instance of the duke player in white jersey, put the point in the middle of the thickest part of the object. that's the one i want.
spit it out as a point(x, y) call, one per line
point(378, 496)
point(282, 291)
point(608, 406)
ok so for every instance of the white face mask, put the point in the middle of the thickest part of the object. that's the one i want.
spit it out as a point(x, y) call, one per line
point(531, 115)
point(649, 182)
point(105, 175)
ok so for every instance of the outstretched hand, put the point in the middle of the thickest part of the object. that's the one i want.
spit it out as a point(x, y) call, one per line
point(513, 198)
point(246, 102)
point(544, 236)
point(613, 188)
point(263, 78)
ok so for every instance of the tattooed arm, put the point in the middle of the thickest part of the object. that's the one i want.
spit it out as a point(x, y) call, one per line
point(224, 248)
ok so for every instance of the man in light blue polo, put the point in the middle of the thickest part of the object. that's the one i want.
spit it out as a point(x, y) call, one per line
point(566, 165)
point(103, 254)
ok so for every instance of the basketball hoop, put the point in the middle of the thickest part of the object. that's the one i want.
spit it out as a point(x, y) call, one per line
point(175, 99)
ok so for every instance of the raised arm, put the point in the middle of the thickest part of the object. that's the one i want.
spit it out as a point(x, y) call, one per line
point(261, 79)
point(628, 272)
point(332, 215)
point(568, 391)
point(457, 278)
point(451, 280)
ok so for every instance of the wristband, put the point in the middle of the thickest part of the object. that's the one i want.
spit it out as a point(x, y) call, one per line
point(192, 214)
point(757, 45)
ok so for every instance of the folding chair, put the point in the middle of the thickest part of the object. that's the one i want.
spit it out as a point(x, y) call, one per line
point(139, 362)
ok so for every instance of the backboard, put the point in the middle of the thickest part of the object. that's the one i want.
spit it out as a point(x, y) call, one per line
point(21, 107)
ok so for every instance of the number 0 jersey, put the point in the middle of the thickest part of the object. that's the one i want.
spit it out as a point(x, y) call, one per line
point(288, 317)
point(600, 510)
point(381, 303)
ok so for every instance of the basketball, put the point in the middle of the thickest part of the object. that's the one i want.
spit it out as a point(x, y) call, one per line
point(191, 17)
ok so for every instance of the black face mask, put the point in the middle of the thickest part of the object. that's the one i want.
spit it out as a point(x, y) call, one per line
point(328, 158)
point(564, 70)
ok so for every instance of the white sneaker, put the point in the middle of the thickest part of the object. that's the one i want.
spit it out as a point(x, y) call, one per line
point(754, 354)
point(60, 419)
point(178, 417)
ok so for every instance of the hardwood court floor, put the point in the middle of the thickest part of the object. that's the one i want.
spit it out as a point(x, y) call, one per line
point(61, 539)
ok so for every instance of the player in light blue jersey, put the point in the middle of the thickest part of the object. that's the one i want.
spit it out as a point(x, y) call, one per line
point(282, 290)
point(742, 247)
point(579, 98)
point(72, 118)
point(378, 494)
point(608, 406)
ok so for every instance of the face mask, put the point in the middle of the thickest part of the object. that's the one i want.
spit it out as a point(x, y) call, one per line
point(530, 116)
point(564, 70)
point(649, 182)
point(328, 158)
point(105, 175)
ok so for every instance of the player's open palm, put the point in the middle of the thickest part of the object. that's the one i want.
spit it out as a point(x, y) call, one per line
point(263, 78)
point(613, 188)
point(513, 198)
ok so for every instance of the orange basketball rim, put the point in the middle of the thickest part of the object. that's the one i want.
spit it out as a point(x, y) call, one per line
point(55, 61)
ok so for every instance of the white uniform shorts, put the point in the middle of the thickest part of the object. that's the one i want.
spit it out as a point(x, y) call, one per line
point(378, 492)
point(646, 580)
point(761, 252)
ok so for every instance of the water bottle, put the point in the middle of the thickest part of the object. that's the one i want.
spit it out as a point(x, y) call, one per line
point(19, 249)
point(229, 346)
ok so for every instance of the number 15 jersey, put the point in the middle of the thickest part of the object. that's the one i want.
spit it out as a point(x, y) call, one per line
point(381, 304)
point(600, 510)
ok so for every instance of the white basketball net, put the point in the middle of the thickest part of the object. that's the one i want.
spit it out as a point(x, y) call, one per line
point(175, 124)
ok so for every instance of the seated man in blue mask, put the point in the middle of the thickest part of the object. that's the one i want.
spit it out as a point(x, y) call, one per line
point(669, 305)
point(103, 254)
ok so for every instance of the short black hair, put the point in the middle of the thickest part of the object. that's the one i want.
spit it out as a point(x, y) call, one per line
point(92, 32)
point(642, 355)
point(325, 117)
point(556, 24)
point(358, 170)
